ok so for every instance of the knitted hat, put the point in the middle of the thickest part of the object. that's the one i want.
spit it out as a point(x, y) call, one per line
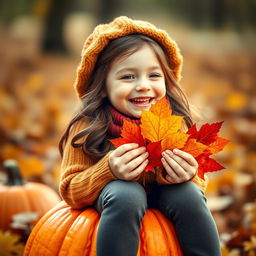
point(119, 27)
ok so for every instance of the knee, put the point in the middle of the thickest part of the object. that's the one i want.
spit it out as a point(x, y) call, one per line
point(189, 193)
point(125, 196)
point(186, 197)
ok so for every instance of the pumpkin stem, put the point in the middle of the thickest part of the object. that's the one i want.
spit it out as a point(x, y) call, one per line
point(14, 177)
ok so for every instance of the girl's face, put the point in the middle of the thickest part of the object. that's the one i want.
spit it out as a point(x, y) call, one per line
point(135, 82)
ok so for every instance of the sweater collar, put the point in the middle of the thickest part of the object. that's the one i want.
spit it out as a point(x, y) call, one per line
point(115, 127)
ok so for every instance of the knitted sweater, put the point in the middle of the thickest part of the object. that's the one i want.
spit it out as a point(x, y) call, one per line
point(83, 178)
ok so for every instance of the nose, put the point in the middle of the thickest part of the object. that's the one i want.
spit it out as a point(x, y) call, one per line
point(143, 84)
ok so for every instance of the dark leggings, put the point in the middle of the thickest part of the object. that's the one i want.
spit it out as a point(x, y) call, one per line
point(122, 205)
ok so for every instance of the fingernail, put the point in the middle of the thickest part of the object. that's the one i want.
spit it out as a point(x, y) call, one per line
point(169, 152)
point(176, 150)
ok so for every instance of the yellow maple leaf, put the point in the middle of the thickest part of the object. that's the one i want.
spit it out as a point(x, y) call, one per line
point(161, 108)
point(10, 245)
point(174, 140)
point(156, 128)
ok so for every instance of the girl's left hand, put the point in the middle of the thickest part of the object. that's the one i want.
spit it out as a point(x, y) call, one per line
point(179, 165)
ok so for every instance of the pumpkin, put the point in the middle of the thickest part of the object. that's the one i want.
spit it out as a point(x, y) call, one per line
point(66, 231)
point(18, 196)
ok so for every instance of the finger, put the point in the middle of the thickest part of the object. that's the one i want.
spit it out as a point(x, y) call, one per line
point(171, 173)
point(136, 172)
point(183, 163)
point(188, 157)
point(189, 169)
point(125, 148)
point(136, 161)
point(133, 154)
point(173, 164)
point(172, 180)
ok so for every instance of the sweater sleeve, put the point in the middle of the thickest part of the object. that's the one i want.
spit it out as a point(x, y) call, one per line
point(82, 178)
point(161, 179)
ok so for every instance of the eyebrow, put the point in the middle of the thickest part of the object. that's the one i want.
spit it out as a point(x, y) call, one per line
point(133, 69)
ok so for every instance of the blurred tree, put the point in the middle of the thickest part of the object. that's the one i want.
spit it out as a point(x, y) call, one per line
point(239, 14)
point(218, 11)
point(9, 9)
point(104, 10)
point(53, 34)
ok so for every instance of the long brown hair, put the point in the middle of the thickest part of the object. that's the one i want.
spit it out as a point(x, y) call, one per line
point(94, 109)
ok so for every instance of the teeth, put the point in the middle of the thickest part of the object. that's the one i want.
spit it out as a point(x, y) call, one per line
point(141, 100)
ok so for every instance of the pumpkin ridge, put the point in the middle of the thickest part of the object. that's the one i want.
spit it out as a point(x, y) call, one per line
point(30, 243)
point(158, 236)
point(72, 234)
point(94, 236)
point(170, 234)
point(142, 246)
point(166, 236)
point(61, 231)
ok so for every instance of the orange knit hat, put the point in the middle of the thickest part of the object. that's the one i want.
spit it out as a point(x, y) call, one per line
point(119, 27)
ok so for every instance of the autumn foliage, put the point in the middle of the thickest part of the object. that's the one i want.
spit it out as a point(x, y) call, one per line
point(161, 130)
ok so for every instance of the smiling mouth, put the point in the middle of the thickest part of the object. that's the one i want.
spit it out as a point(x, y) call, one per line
point(141, 101)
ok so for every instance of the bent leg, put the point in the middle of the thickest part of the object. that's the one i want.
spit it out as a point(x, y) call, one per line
point(122, 205)
point(185, 205)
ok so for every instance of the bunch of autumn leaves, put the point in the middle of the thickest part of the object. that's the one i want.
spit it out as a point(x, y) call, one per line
point(160, 130)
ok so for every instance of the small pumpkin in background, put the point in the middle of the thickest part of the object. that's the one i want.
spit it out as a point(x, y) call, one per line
point(70, 232)
point(18, 196)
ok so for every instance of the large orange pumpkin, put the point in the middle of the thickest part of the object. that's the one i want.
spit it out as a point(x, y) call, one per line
point(69, 232)
point(18, 196)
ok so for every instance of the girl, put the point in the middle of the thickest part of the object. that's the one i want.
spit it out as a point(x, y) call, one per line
point(127, 66)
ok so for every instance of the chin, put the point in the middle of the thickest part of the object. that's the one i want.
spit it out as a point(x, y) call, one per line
point(137, 115)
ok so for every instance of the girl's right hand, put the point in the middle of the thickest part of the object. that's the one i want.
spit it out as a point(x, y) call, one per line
point(128, 161)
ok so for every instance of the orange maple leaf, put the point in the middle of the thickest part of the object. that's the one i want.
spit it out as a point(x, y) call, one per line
point(131, 133)
point(174, 140)
point(218, 145)
point(161, 108)
point(156, 128)
point(194, 147)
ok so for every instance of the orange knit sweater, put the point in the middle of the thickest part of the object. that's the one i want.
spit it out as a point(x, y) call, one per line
point(83, 178)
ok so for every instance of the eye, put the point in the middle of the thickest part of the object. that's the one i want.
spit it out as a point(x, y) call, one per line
point(128, 77)
point(155, 75)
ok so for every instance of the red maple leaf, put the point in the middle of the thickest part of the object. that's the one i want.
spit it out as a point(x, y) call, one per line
point(207, 133)
point(154, 150)
point(207, 164)
point(131, 133)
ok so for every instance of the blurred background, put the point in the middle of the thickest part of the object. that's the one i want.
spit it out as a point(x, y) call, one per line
point(40, 45)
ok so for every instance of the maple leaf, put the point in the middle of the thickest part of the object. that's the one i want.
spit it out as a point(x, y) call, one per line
point(174, 140)
point(207, 133)
point(218, 145)
point(207, 164)
point(194, 148)
point(131, 133)
point(10, 244)
point(161, 108)
point(154, 149)
point(155, 128)
point(159, 130)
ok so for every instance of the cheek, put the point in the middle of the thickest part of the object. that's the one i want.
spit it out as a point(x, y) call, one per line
point(161, 89)
point(121, 91)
